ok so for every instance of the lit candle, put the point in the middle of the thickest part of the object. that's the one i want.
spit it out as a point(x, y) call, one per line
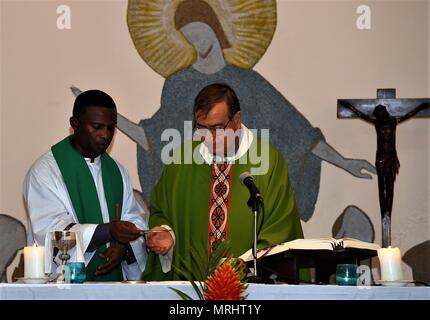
point(34, 262)
point(391, 264)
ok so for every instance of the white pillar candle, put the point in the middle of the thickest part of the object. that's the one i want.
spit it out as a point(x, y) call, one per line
point(391, 264)
point(34, 262)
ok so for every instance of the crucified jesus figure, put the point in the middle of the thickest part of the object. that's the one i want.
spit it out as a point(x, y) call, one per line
point(387, 164)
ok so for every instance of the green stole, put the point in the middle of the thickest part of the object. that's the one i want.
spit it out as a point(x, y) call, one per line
point(83, 194)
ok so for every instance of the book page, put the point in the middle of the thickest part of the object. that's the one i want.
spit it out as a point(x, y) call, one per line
point(311, 244)
point(354, 243)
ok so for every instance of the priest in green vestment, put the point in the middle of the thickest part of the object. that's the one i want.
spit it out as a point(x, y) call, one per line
point(203, 201)
point(77, 186)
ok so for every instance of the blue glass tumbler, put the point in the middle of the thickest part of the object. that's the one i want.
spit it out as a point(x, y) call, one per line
point(77, 272)
point(346, 274)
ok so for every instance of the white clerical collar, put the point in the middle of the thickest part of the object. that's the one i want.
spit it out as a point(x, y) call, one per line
point(245, 140)
point(95, 163)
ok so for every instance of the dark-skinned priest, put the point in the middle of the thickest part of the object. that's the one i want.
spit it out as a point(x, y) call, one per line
point(77, 186)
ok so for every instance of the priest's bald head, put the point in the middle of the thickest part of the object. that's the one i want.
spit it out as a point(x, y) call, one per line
point(93, 122)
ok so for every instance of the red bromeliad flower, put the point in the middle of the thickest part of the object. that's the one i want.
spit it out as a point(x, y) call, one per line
point(225, 284)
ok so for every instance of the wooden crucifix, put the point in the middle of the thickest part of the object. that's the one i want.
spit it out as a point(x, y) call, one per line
point(385, 113)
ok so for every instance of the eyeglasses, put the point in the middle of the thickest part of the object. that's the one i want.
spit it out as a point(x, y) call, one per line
point(212, 129)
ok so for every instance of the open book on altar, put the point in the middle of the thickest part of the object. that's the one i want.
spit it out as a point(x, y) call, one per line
point(312, 244)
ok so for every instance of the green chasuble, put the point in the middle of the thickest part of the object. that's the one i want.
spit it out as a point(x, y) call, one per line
point(181, 200)
point(83, 194)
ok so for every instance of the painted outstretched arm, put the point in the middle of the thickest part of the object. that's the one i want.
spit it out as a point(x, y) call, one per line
point(129, 128)
point(354, 166)
point(133, 131)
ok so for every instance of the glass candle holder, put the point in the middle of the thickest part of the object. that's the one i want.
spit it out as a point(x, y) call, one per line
point(346, 274)
point(77, 272)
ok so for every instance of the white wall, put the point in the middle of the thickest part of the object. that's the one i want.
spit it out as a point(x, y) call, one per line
point(317, 56)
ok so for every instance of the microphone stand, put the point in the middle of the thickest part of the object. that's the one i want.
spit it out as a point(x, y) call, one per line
point(255, 202)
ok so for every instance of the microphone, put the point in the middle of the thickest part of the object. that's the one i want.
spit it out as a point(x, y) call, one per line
point(247, 180)
point(254, 202)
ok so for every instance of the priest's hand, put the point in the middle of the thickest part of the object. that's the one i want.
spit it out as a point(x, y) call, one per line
point(114, 255)
point(124, 231)
point(159, 242)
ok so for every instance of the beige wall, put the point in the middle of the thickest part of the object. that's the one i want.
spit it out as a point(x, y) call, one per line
point(317, 56)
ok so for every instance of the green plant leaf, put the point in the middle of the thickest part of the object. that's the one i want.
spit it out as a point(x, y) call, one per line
point(221, 249)
point(200, 260)
point(201, 263)
point(188, 276)
point(183, 295)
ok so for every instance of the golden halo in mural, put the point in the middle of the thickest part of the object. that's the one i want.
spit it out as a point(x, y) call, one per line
point(245, 29)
